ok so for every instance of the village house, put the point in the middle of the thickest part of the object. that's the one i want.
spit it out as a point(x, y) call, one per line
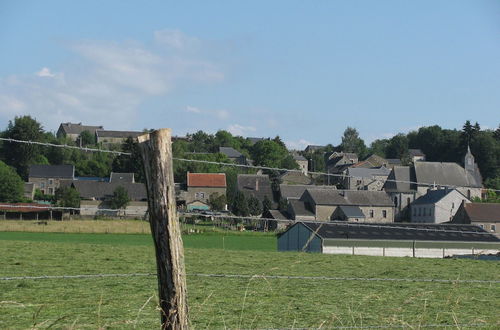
point(47, 178)
point(416, 155)
point(401, 191)
point(365, 206)
point(256, 185)
point(106, 137)
point(437, 206)
point(200, 186)
point(96, 196)
point(296, 191)
point(72, 131)
point(360, 178)
point(302, 162)
point(484, 215)
point(233, 155)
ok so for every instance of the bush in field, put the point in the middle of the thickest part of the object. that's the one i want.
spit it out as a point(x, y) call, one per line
point(11, 185)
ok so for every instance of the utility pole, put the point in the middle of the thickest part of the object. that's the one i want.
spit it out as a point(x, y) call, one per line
point(156, 151)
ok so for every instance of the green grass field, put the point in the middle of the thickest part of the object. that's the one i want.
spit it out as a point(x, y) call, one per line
point(257, 302)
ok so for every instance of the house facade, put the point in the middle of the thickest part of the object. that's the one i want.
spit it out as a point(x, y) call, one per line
point(484, 215)
point(364, 206)
point(200, 186)
point(115, 137)
point(72, 131)
point(47, 178)
point(359, 178)
point(437, 206)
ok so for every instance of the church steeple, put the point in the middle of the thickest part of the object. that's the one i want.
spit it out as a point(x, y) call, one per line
point(469, 160)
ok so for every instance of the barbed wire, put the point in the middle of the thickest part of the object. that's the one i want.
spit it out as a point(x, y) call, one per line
point(47, 144)
point(247, 276)
point(426, 184)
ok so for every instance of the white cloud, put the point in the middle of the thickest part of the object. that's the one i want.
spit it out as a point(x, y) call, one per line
point(45, 72)
point(105, 83)
point(192, 109)
point(176, 39)
point(237, 129)
point(298, 145)
point(219, 114)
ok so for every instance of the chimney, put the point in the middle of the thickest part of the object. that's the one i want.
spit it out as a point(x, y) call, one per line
point(256, 184)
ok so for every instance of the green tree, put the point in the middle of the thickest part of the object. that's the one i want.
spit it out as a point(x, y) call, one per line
point(266, 204)
point(21, 155)
point(130, 163)
point(87, 138)
point(240, 205)
point(120, 198)
point(283, 205)
point(67, 197)
point(351, 142)
point(379, 147)
point(269, 153)
point(11, 185)
point(254, 206)
point(217, 202)
point(397, 147)
point(468, 131)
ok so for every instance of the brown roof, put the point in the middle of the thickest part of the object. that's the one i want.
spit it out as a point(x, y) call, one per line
point(215, 180)
point(24, 207)
point(480, 212)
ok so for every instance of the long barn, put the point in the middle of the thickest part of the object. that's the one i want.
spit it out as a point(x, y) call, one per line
point(396, 240)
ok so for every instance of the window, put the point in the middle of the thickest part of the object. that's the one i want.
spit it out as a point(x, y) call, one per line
point(395, 201)
point(51, 181)
point(408, 201)
point(384, 213)
point(452, 205)
point(199, 195)
point(51, 191)
point(358, 182)
point(371, 213)
point(42, 185)
point(468, 193)
point(482, 226)
point(493, 228)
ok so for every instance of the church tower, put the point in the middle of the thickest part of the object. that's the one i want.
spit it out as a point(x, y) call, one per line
point(469, 161)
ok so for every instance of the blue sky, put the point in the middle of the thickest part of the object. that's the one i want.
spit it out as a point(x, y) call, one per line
point(303, 70)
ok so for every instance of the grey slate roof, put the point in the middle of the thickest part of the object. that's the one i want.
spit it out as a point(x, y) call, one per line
point(296, 191)
point(255, 185)
point(394, 161)
point(52, 171)
point(326, 197)
point(401, 173)
point(350, 197)
point(367, 198)
point(351, 211)
point(432, 196)
point(71, 128)
point(299, 157)
point(450, 174)
point(118, 134)
point(361, 172)
point(121, 177)
point(276, 214)
point(103, 190)
point(230, 152)
point(396, 231)
point(415, 152)
point(300, 208)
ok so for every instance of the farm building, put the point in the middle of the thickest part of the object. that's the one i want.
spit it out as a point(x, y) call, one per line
point(396, 240)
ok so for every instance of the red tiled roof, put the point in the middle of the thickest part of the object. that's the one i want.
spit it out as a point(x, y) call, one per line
point(215, 180)
point(24, 207)
point(483, 211)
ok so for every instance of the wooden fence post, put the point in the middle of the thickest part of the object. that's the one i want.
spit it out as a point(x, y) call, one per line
point(156, 151)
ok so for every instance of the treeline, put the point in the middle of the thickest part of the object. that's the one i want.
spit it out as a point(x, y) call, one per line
point(438, 144)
